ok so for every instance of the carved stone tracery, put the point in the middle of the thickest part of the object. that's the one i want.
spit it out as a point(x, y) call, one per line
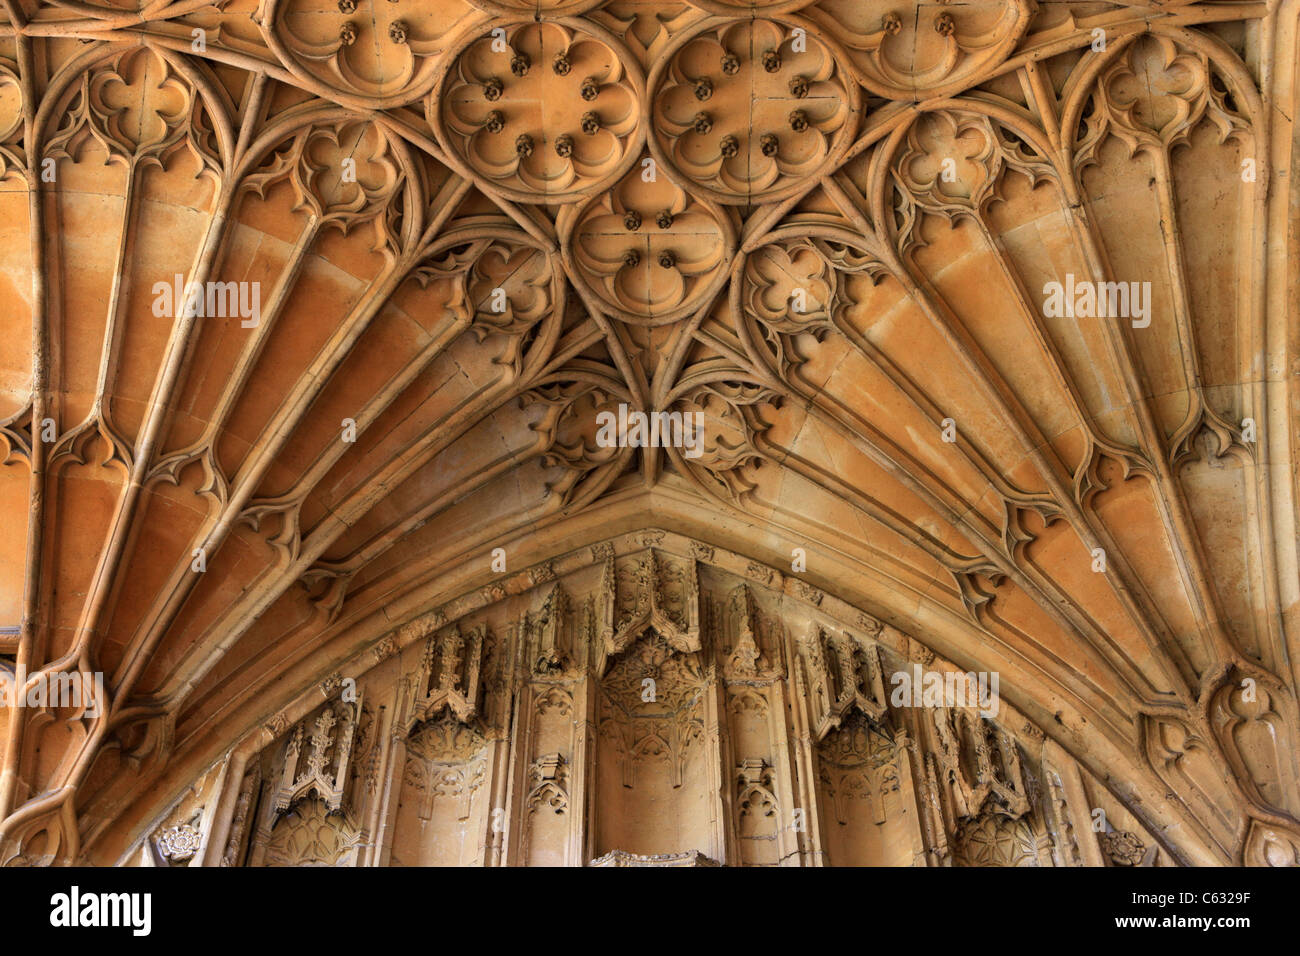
point(685, 744)
point(826, 228)
point(315, 759)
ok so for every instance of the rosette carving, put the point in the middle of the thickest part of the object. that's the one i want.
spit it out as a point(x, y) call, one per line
point(546, 114)
point(747, 110)
point(993, 840)
point(649, 251)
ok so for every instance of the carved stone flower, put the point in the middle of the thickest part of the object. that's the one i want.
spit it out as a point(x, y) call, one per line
point(1123, 848)
point(582, 111)
point(735, 149)
point(178, 844)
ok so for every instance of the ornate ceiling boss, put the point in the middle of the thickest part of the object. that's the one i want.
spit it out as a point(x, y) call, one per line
point(964, 333)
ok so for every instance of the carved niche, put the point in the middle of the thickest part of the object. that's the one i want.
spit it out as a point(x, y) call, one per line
point(648, 709)
point(863, 814)
point(442, 814)
point(307, 816)
point(549, 740)
point(841, 676)
point(653, 775)
point(649, 592)
point(441, 808)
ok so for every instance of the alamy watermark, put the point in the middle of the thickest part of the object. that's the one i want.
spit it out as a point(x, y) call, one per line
point(1085, 299)
point(74, 689)
point(75, 909)
point(220, 300)
point(920, 688)
point(683, 430)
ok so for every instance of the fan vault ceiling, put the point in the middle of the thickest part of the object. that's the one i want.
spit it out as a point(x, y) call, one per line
point(472, 226)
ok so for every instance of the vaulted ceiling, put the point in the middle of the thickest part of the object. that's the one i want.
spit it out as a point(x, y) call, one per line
point(473, 226)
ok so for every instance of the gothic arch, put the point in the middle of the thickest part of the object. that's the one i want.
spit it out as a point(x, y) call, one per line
point(368, 455)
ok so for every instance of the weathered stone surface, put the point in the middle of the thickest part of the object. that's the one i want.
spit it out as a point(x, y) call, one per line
point(962, 338)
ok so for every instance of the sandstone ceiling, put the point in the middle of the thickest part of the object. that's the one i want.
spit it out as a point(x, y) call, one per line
point(474, 225)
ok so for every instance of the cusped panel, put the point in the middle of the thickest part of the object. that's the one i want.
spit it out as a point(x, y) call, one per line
point(381, 52)
point(649, 251)
point(750, 110)
point(11, 104)
point(343, 172)
point(929, 49)
point(542, 112)
point(1152, 94)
